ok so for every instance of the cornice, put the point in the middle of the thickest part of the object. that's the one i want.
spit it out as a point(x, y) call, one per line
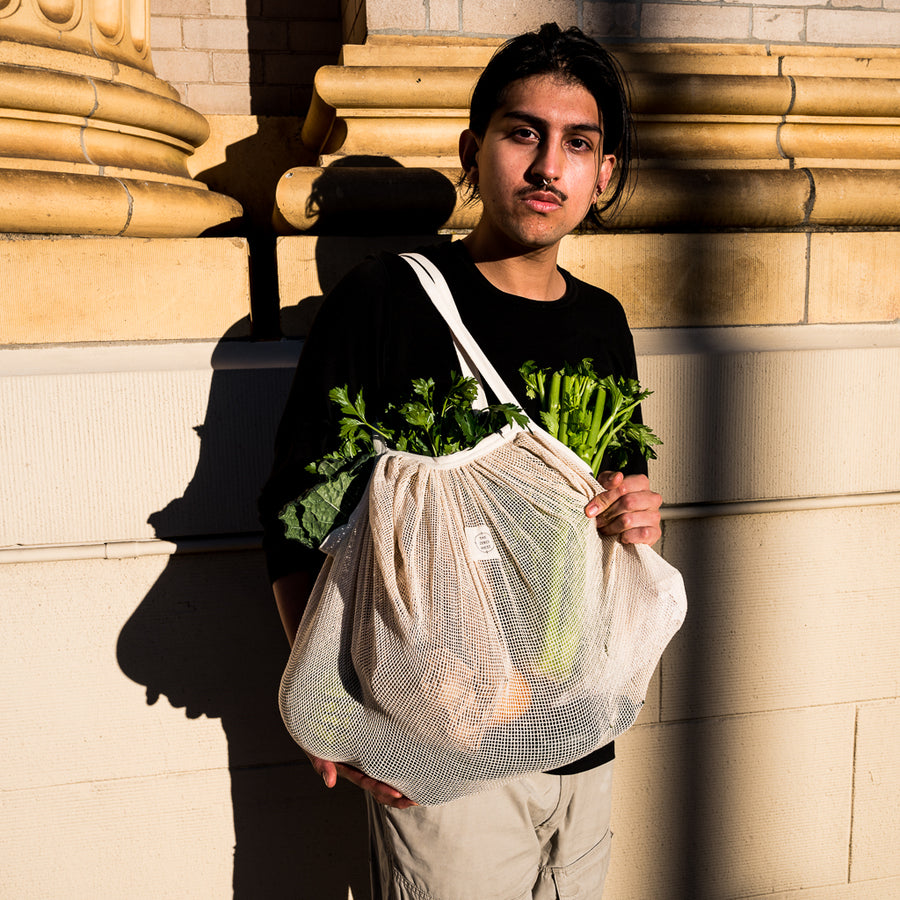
point(729, 135)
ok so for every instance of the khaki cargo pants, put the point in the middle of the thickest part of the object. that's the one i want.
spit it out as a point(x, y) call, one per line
point(541, 837)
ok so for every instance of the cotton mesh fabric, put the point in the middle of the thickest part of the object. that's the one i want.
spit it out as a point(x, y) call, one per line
point(471, 625)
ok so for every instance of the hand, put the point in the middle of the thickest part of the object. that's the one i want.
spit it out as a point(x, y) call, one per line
point(383, 793)
point(627, 508)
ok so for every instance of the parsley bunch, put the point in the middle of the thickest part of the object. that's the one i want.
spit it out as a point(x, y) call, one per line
point(431, 422)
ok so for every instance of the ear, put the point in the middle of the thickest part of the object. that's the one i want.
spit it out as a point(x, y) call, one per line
point(469, 145)
point(607, 166)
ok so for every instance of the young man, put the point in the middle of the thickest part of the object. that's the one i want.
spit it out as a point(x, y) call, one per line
point(548, 120)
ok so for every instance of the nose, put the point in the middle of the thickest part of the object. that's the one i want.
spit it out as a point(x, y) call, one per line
point(548, 162)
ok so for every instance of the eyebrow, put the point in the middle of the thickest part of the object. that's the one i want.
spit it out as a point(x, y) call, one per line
point(539, 122)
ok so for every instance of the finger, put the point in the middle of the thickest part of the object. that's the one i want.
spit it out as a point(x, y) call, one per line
point(609, 480)
point(637, 534)
point(616, 485)
point(632, 527)
point(383, 793)
point(328, 771)
point(625, 500)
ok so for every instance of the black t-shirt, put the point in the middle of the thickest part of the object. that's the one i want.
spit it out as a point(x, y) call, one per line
point(377, 330)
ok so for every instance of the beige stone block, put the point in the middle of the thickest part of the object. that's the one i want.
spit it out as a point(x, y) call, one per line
point(420, 50)
point(856, 197)
point(484, 17)
point(853, 277)
point(444, 15)
point(778, 24)
point(181, 8)
point(734, 807)
point(785, 610)
point(120, 289)
point(853, 27)
point(767, 423)
point(181, 65)
point(165, 33)
point(791, 3)
point(155, 757)
point(231, 67)
point(691, 280)
point(90, 704)
point(143, 837)
point(878, 889)
point(220, 99)
point(237, 8)
point(876, 794)
point(106, 444)
point(215, 34)
point(407, 15)
point(691, 21)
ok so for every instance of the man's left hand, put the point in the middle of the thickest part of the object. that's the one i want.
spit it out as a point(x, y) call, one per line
point(627, 508)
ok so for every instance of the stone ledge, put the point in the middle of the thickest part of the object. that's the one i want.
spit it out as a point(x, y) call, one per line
point(757, 278)
point(70, 290)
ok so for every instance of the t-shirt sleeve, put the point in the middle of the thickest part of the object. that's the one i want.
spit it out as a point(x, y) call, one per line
point(341, 349)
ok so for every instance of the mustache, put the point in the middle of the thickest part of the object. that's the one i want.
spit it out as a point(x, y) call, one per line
point(549, 189)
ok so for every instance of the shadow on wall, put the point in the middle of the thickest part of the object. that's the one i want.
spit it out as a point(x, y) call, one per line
point(207, 636)
point(287, 42)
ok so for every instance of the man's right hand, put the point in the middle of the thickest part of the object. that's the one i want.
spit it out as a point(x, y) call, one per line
point(383, 793)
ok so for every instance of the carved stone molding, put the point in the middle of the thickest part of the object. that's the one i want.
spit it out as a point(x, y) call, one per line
point(729, 136)
point(91, 141)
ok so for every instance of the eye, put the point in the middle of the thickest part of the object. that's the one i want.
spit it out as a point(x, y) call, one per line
point(525, 133)
point(580, 145)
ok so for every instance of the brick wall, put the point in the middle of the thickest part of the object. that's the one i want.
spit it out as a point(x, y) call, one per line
point(243, 57)
point(839, 22)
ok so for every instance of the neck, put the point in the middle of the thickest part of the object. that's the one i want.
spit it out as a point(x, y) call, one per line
point(530, 273)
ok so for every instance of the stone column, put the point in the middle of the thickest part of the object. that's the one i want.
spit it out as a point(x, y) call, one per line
point(91, 141)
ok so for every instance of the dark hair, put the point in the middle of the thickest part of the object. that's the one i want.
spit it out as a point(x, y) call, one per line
point(574, 57)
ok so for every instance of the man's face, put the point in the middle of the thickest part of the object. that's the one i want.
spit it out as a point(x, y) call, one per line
point(539, 165)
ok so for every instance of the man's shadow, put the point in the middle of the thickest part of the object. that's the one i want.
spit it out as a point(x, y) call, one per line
point(207, 636)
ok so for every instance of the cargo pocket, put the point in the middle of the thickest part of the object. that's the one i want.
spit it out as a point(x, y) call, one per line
point(583, 879)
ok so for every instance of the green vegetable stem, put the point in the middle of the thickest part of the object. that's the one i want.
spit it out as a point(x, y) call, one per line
point(591, 414)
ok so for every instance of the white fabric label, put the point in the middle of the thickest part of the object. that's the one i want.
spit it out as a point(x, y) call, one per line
point(481, 544)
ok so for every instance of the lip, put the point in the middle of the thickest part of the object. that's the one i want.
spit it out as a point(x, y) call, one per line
point(542, 201)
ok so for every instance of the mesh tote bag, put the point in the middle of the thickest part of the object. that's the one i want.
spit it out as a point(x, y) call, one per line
point(469, 624)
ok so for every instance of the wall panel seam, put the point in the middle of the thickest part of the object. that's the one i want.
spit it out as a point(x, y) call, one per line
point(253, 540)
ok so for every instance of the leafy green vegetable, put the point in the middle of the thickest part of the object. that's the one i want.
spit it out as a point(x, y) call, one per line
point(429, 422)
point(329, 502)
point(590, 414)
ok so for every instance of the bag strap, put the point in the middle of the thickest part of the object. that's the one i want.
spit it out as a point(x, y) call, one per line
point(470, 354)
